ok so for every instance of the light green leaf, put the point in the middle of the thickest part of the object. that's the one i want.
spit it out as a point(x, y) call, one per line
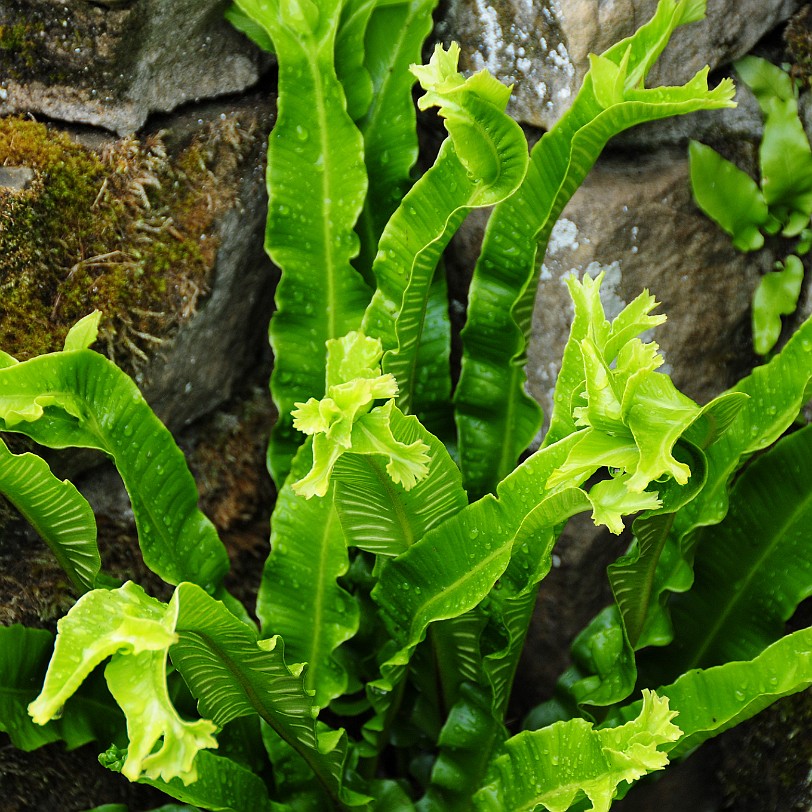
point(382, 517)
point(7, 360)
point(223, 785)
point(785, 154)
point(354, 356)
point(433, 581)
point(250, 27)
point(633, 415)
point(729, 196)
point(137, 682)
point(481, 163)
point(136, 632)
point(343, 422)
point(316, 187)
point(613, 498)
point(594, 450)
point(559, 764)
point(767, 81)
point(83, 333)
point(496, 418)
point(90, 715)
point(101, 623)
point(79, 398)
point(776, 295)
point(408, 464)
point(710, 701)
point(590, 322)
point(56, 510)
point(658, 414)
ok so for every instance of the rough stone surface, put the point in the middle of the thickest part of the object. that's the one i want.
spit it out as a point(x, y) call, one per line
point(638, 223)
point(113, 64)
point(778, 737)
point(110, 63)
point(189, 326)
point(16, 178)
point(199, 369)
point(543, 45)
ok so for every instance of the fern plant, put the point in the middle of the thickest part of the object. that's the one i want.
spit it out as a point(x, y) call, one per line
point(781, 203)
point(404, 565)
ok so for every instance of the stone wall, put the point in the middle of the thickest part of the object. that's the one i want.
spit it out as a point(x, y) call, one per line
point(161, 110)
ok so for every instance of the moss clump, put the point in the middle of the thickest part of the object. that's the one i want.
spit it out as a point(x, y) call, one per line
point(128, 231)
point(798, 36)
point(57, 43)
point(18, 45)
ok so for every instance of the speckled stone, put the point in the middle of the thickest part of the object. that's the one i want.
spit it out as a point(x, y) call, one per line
point(111, 64)
point(543, 45)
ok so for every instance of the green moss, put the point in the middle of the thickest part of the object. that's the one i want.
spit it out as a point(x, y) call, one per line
point(128, 231)
point(798, 36)
point(56, 44)
point(17, 44)
point(19, 47)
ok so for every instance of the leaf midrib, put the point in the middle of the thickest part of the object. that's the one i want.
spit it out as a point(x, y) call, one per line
point(722, 616)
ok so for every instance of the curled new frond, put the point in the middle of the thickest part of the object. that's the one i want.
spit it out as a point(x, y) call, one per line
point(345, 420)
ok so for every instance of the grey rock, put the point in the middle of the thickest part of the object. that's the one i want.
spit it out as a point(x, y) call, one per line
point(199, 368)
point(113, 64)
point(521, 42)
point(543, 45)
point(637, 222)
point(16, 178)
point(211, 355)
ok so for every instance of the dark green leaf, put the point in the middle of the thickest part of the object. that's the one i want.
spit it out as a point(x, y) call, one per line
point(80, 398)
point(728, 196)
point(223, 785)
point(495, 417)
point(776, 295)
point(231, 674)
point(299, 597)
point(751, 570)
point(632, 575)
point(394, 37)
point(467, 742)
point(90, 715)
point(56, 510)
